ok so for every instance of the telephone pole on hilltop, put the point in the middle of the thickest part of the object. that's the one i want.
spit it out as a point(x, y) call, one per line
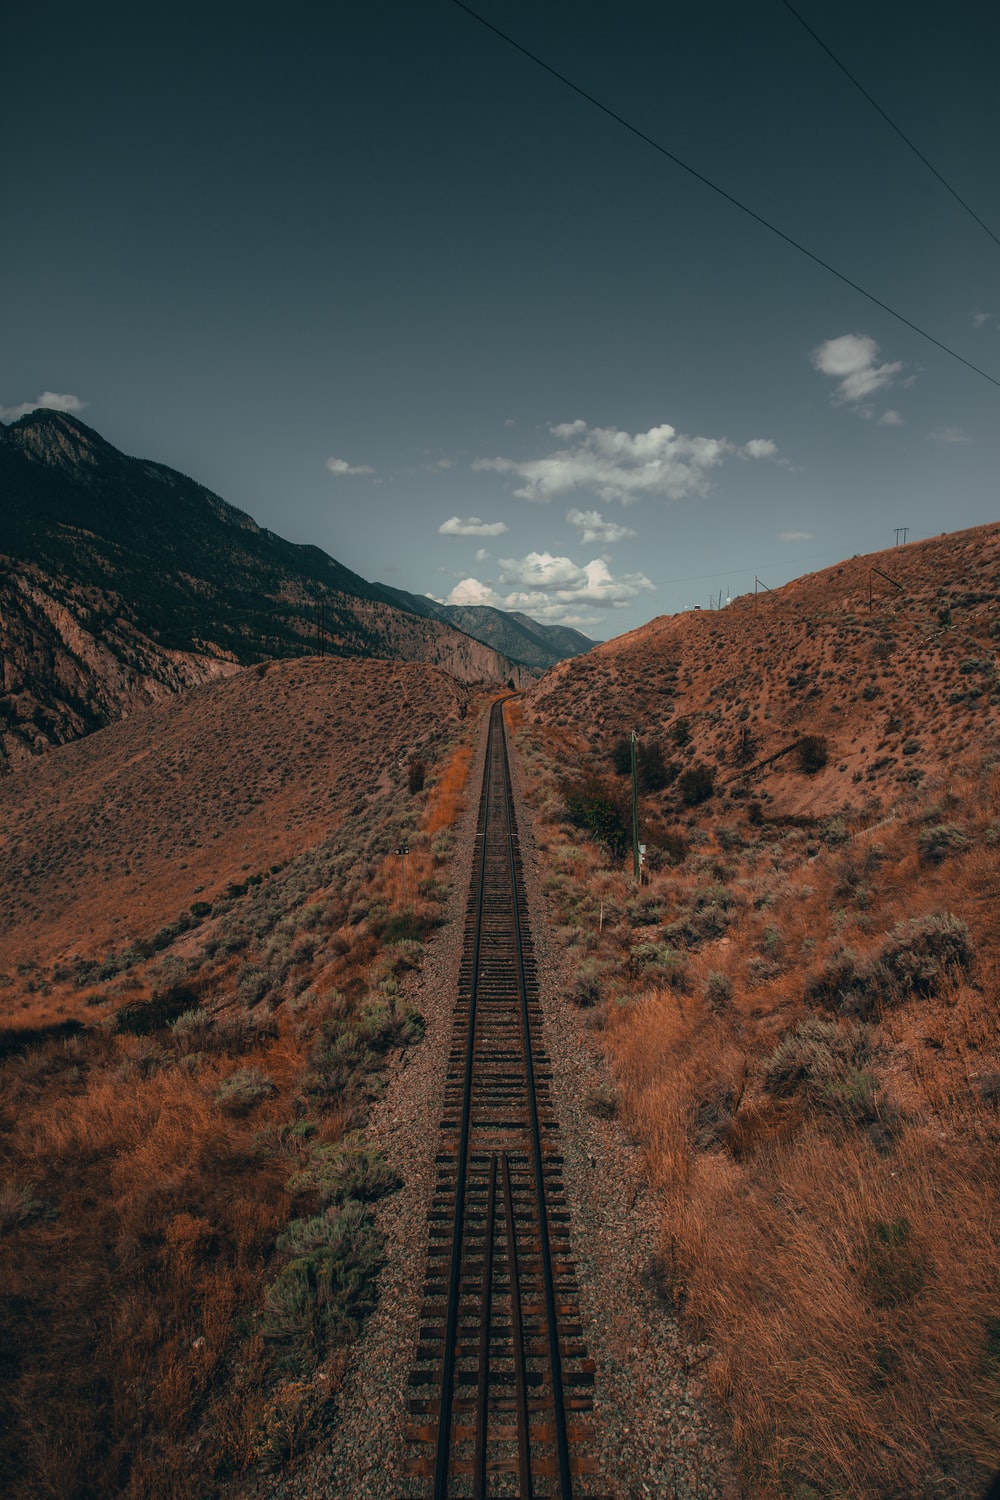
point(901, 532)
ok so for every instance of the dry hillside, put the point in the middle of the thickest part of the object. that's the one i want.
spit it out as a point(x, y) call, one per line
point(109, 840)
point(800, 1005)
point(205, 930)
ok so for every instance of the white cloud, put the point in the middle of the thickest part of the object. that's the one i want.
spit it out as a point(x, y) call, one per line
point(481, 554)
point(341, 466)
point(554, 590)
point(623, 466)
point(851, 360)
point(471, 591)
point(795, 536)
point(455, 526)
point(890, 418)
point(540, 570)
point(539, 573)
point(593, 527)
point(759, 448)
point(51, 400)
point(978, 319)
point(950, 435)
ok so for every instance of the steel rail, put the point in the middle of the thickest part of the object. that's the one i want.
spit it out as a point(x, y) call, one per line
point(486, 1301)
point(551, 1317)
point(455, 1286)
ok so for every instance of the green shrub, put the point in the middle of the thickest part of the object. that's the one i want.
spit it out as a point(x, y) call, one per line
point(718, 990)
point(811, 753)
point(345, 1052)
point(253, 984)
point(348, 1169)
point(708, 921)
point(824, 1064)
point(652, 773)
point(405, 927)
point(142, 1017)
point(589, 806)
point(416, 775)
point(243, 1090)
point(914, 959)
point(322, 1296)
point(918, 954)
point(696, 784)
point(937, 843)
point(672, 846)
point(621, 756)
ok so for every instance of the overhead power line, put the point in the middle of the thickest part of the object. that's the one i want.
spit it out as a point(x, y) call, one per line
point(700, 177)
point(890, 122)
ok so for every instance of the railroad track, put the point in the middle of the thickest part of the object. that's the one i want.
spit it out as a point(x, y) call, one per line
point(501, 1378)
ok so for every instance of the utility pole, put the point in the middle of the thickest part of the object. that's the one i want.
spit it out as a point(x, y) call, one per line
point(403, 851)
point(901, 532)
point(635, 814)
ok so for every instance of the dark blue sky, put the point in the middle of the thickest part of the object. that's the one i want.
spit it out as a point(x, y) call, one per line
point(250, 244)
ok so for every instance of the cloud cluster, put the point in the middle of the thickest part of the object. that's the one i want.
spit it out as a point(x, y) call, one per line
point(594, 528)
point(51, 400)
point(341, 466)
point(553, 589)
point(473, 526)
point(852, 360)
point(623, 466)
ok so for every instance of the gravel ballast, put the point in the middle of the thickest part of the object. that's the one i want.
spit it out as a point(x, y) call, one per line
point(656, 1434)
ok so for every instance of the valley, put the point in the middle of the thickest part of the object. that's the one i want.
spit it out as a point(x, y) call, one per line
point(226, 1003)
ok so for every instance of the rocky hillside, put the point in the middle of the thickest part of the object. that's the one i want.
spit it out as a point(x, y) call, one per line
point(893, 690)
point(122, 581)
point(106, 840)
point(800, 1003)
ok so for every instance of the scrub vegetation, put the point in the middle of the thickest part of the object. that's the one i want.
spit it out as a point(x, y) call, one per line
point(801, 1012)
point(187, 1239)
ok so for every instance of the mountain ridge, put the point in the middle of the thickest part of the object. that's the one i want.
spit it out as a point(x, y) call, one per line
point(513, 634)
point(123, 581)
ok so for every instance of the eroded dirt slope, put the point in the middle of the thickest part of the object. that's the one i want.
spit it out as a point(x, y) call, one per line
point(108, 839)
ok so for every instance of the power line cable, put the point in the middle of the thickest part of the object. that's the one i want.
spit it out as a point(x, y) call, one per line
point(700, 176)
point(890, 122)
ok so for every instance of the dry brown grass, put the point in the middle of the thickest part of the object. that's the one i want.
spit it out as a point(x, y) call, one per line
point(114, 835)
point(832, 1234)
point(447, 799)
point(853, 1379)
point(142, 1203)
point(154, 1224)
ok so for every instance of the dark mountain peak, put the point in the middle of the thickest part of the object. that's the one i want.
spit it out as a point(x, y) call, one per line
point(123, 580)
point(60, 440)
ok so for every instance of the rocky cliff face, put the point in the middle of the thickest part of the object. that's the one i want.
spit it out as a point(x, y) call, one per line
point(72, 661)
point(122, 582)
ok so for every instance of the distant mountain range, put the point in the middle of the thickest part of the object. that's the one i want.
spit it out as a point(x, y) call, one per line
point(123, 581)
point(514, 635)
